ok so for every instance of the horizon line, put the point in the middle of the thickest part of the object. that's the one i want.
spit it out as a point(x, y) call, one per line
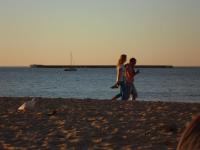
point(28, 66)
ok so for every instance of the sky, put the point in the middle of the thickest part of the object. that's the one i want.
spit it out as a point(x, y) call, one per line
point(97, 32)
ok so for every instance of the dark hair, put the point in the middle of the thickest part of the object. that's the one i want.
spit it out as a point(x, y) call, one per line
point(132, 60)
point(190, 138)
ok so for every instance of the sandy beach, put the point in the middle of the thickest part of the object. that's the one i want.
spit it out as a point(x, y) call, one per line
point(93, 124)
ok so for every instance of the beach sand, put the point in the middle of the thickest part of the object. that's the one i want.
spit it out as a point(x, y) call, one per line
point(93, 124)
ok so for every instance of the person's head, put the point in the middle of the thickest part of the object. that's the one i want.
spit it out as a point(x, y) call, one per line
point(190, 139)
point(133, 61)
point(122, 59)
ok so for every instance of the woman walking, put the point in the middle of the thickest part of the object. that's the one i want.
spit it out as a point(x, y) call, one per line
point(121, 78)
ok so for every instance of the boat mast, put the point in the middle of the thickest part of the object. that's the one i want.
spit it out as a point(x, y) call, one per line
point(70, 58)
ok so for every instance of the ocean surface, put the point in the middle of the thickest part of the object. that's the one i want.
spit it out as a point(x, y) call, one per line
point(167, 84)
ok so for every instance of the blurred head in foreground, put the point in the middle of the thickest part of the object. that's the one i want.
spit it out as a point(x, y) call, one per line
point(190, 139)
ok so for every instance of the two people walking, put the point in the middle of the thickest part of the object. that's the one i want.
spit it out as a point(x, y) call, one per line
point(125, 78)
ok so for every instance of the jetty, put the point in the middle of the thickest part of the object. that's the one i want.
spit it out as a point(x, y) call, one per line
point(96, 66)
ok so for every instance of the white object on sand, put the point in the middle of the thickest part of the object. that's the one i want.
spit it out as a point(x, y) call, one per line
point(29, 105)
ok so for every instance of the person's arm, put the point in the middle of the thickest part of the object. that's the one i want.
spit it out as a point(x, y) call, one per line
point(130, 70)
point(137, 72)
point(119, 75)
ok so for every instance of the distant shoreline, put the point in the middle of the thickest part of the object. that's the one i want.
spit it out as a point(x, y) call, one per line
point(96, 66)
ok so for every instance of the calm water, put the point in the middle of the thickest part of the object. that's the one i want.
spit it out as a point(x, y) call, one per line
point(175, 84)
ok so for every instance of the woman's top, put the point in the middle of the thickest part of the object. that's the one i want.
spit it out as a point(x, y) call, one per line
point(120, 73)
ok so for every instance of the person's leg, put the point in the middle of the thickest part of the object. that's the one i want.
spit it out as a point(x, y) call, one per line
point(116, 96)
point(131, 95)
point(134, 92)
point(120, 94)
point(128, 91)
point(124, 92)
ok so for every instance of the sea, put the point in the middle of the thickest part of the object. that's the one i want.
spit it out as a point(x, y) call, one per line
point(178, 84)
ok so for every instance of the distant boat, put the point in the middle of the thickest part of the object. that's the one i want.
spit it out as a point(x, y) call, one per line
point(70, 68)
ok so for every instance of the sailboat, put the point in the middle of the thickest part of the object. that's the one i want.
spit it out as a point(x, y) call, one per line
point(71, 68)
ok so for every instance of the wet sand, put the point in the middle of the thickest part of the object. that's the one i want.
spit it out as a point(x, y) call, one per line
point(93, 124)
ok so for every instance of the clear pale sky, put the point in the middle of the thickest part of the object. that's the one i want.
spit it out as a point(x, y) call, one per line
point(156, 32)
